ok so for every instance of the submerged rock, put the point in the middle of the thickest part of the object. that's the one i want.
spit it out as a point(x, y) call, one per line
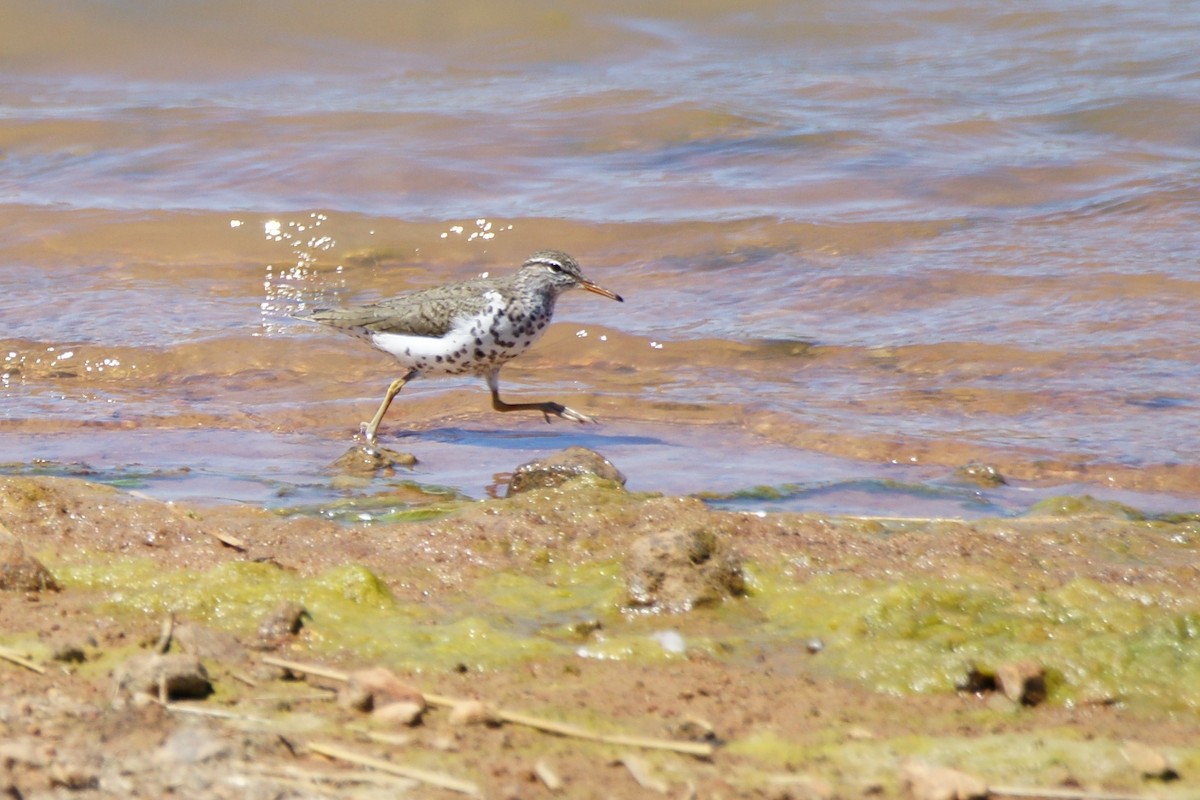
point(363, 461)
point(561, 467)
point(679, 570)
point(980, 474)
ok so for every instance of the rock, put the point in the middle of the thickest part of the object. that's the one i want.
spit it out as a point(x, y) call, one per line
point(929, 782)
point(694, 729)
point(353, 696)
point(679, 570)
point(385, 687)
point(363, 461)
point(983, 475)
point(404, 712)
point(472, 712)
point(1148, 762)
point(286, 620)
point(547, 775)
point(166, 677)
point(561, 467)
point(68, 652)
point(73, 775)
point(1022, 682)
point(201, 642)
point(19, 571)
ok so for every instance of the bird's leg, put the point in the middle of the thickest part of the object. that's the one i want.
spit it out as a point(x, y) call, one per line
point(369, 428)
point(547, 408)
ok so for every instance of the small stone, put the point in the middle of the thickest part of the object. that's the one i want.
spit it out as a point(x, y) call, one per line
point(21, 572)
point(640, 771)
point(694, 729)
point(557, 469)
point(472, 712)
point(353, 696)
point(679, 570)
point(286, 620)
point(1148, 762)
point(980, 474)
point(69, 653)
point(167, 677)
point(364, 461)
point(385, 687)
point(929, 782)
point(405, 712)
point(202, 642)
point(74, 777)
point(547, 775)
point(1022, 682)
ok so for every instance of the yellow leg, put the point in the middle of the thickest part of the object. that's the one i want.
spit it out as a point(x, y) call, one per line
point(547, 408)
point(369, 428)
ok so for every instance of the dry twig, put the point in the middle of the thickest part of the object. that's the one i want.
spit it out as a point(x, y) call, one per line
point(21, 661)
point(1058, 794)
point(701, 749)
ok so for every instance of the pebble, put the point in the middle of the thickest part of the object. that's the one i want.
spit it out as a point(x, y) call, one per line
point(168, 677)
point(1022, 682)
point(557, 469)
point(1148, 762)
point(472, 712)
point(404, 712)
point(21, 572)
point(285, 621)
point(930, 782)
point(679, 570)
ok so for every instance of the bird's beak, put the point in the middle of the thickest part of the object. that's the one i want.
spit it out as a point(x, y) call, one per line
point(600, 290)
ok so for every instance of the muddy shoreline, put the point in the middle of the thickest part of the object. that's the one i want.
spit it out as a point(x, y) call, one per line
point(841, 666)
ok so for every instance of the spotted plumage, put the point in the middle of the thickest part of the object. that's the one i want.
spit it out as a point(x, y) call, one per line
point(473, 327)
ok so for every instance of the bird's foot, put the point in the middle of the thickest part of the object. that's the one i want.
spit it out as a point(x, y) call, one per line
point(559, 410)
point(368, 435)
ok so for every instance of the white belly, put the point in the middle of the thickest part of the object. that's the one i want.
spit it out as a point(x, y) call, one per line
point(474, 345)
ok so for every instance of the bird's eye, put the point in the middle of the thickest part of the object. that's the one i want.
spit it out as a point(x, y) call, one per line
point(555, 266)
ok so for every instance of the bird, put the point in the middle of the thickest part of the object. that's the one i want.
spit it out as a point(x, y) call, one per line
point(472, 327)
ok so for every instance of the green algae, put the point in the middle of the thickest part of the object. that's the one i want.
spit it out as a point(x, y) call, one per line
point(402, 501)
point(233, 595)
point(506, 618)
point(909, 632)
point(352, 610)
point(1046, 757)
point(1083, 505)
point(1097, 641)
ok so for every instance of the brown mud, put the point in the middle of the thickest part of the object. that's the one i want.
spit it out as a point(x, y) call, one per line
point(852, 652)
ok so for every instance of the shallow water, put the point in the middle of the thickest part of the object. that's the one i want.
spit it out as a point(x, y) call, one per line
point(860, 247)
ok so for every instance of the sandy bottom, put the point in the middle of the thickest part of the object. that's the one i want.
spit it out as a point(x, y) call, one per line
point(794, 697)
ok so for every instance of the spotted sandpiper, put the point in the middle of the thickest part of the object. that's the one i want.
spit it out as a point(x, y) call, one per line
point(474, 327)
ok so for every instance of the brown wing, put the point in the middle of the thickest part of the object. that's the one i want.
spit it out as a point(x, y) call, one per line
point(429, 312)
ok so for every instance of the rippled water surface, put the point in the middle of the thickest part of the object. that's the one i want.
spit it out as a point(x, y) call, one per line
point(862, 245)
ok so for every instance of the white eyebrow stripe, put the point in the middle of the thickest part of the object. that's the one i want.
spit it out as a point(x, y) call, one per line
point(549, 262)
